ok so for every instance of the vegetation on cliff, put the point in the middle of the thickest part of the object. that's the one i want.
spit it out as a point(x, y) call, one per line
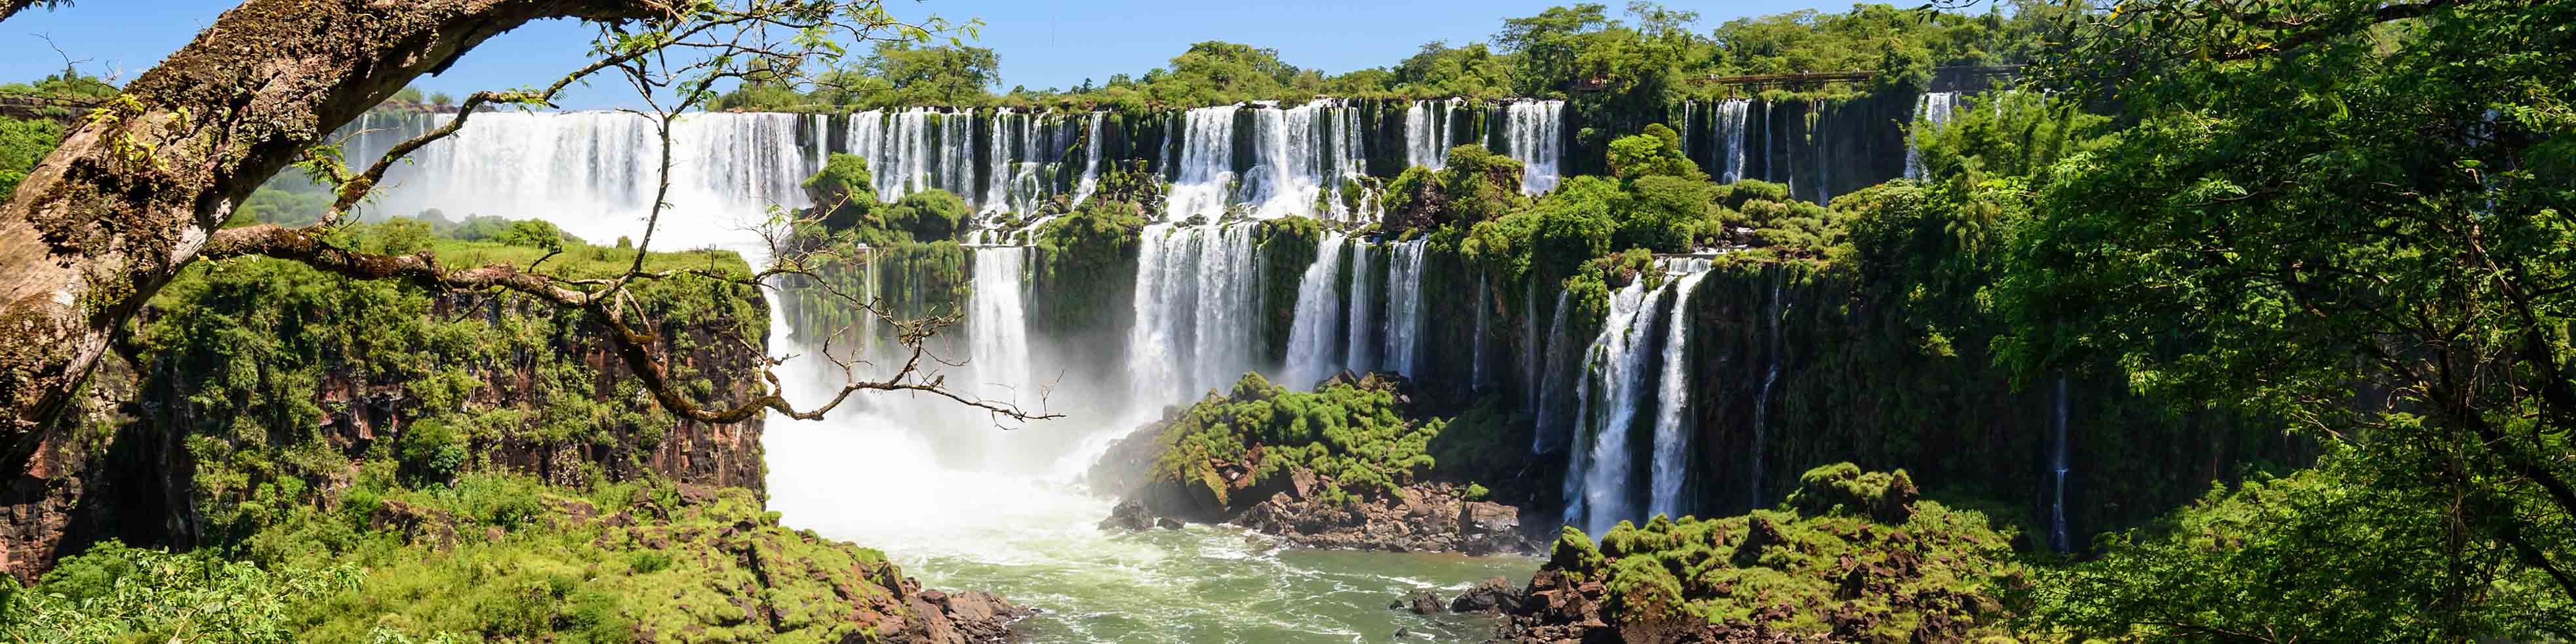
point(368, 460)
point(1352, 435)
point(1850, 556)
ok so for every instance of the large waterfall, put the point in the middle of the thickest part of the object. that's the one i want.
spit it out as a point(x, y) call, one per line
point(1197, 293)
point(1301, 158)
point(593, 173)
point(1618, 382)
point(1534, 134)
point(1312, 341)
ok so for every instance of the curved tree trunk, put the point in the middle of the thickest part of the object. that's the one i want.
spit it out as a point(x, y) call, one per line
point(136, 188)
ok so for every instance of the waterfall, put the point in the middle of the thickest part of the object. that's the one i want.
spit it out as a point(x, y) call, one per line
point(1311, 356)
point(1404, 307)
point(1773, 344)
point(916, 149)
point(818, 126)
point(1609, 393)
point(1476, 382)
point(1300, 159)
point(1534, 135)
point(1197, 294)
point(1824, 155)
point(1090, 158)
point(1730, 123)
point(1362, 355)
point(593, 173)
point(1551, 428)
point(1164, 290)
point(997, 330)
point(1428, 134)
point(1204, 171)
point(1934, 109)
point(2057, 532)
point(1672, 400)
point(1530, 342)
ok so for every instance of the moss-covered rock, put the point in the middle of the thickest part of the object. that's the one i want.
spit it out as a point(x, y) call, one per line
point(1835, 565)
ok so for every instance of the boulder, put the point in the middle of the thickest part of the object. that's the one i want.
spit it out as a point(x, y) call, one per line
point(1494, 595)
point(1420, 601)
point(1486, 527)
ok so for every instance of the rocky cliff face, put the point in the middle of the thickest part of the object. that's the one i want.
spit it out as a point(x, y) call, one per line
point(226, 372)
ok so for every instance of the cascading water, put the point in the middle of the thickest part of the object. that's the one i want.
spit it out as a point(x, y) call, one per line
point(998, 339)
point(1553, 429)
point(1203, 173)
point(1476, 364)
point(916, 149)
point(1606, 403)
point(1428, 132)
point(1672, 399)
point(1534, 134)
point(1301, 159)
point(1934, 109)
point(1773, 345)
point(1197, 291)
point(1091, 142)
point(1616, 389)
point(1730, 119)
point(1362, 354)
point(594, 173)
point(1311, 336)
point(1404, 307)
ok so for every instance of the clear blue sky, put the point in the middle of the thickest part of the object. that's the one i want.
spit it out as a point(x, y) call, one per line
point(1042, 43)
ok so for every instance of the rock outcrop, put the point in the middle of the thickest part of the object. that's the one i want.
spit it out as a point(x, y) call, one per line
point(1272, 490)
point(1856, 558)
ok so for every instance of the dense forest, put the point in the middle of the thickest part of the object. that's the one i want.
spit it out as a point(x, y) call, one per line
point(2146, 320)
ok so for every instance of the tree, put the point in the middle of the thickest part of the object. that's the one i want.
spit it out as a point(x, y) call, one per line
point(957, 75)
point(140, 188)
point(2350, 215)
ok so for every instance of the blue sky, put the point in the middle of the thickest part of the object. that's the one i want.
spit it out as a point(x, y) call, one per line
point(1041, 43)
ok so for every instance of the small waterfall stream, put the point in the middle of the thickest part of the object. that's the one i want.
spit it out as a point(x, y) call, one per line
point(1672, 400)
point(1933, 108)
point(1534, 134)
point(1404, 307)
point(1361, 356)
point(2058, 535)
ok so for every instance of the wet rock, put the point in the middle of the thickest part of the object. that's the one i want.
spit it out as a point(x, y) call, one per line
point(1494, 595)
point(1485, 527)
point(1168, 523)
point(1420, 601)
point(1129, 515)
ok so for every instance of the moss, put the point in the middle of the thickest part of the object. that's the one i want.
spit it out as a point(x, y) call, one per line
point(1350, 434)
point(1937, 572)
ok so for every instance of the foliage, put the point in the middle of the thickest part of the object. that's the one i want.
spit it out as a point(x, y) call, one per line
point(253, 348)
point(1928, 572)
point(23, 142)
point(845, 186)
point(1476, 185)
point(2334, 202)
point(1352, 435)
point(1082, 258)
point(114, 593)
point(2332, 553)
point(928, 215)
